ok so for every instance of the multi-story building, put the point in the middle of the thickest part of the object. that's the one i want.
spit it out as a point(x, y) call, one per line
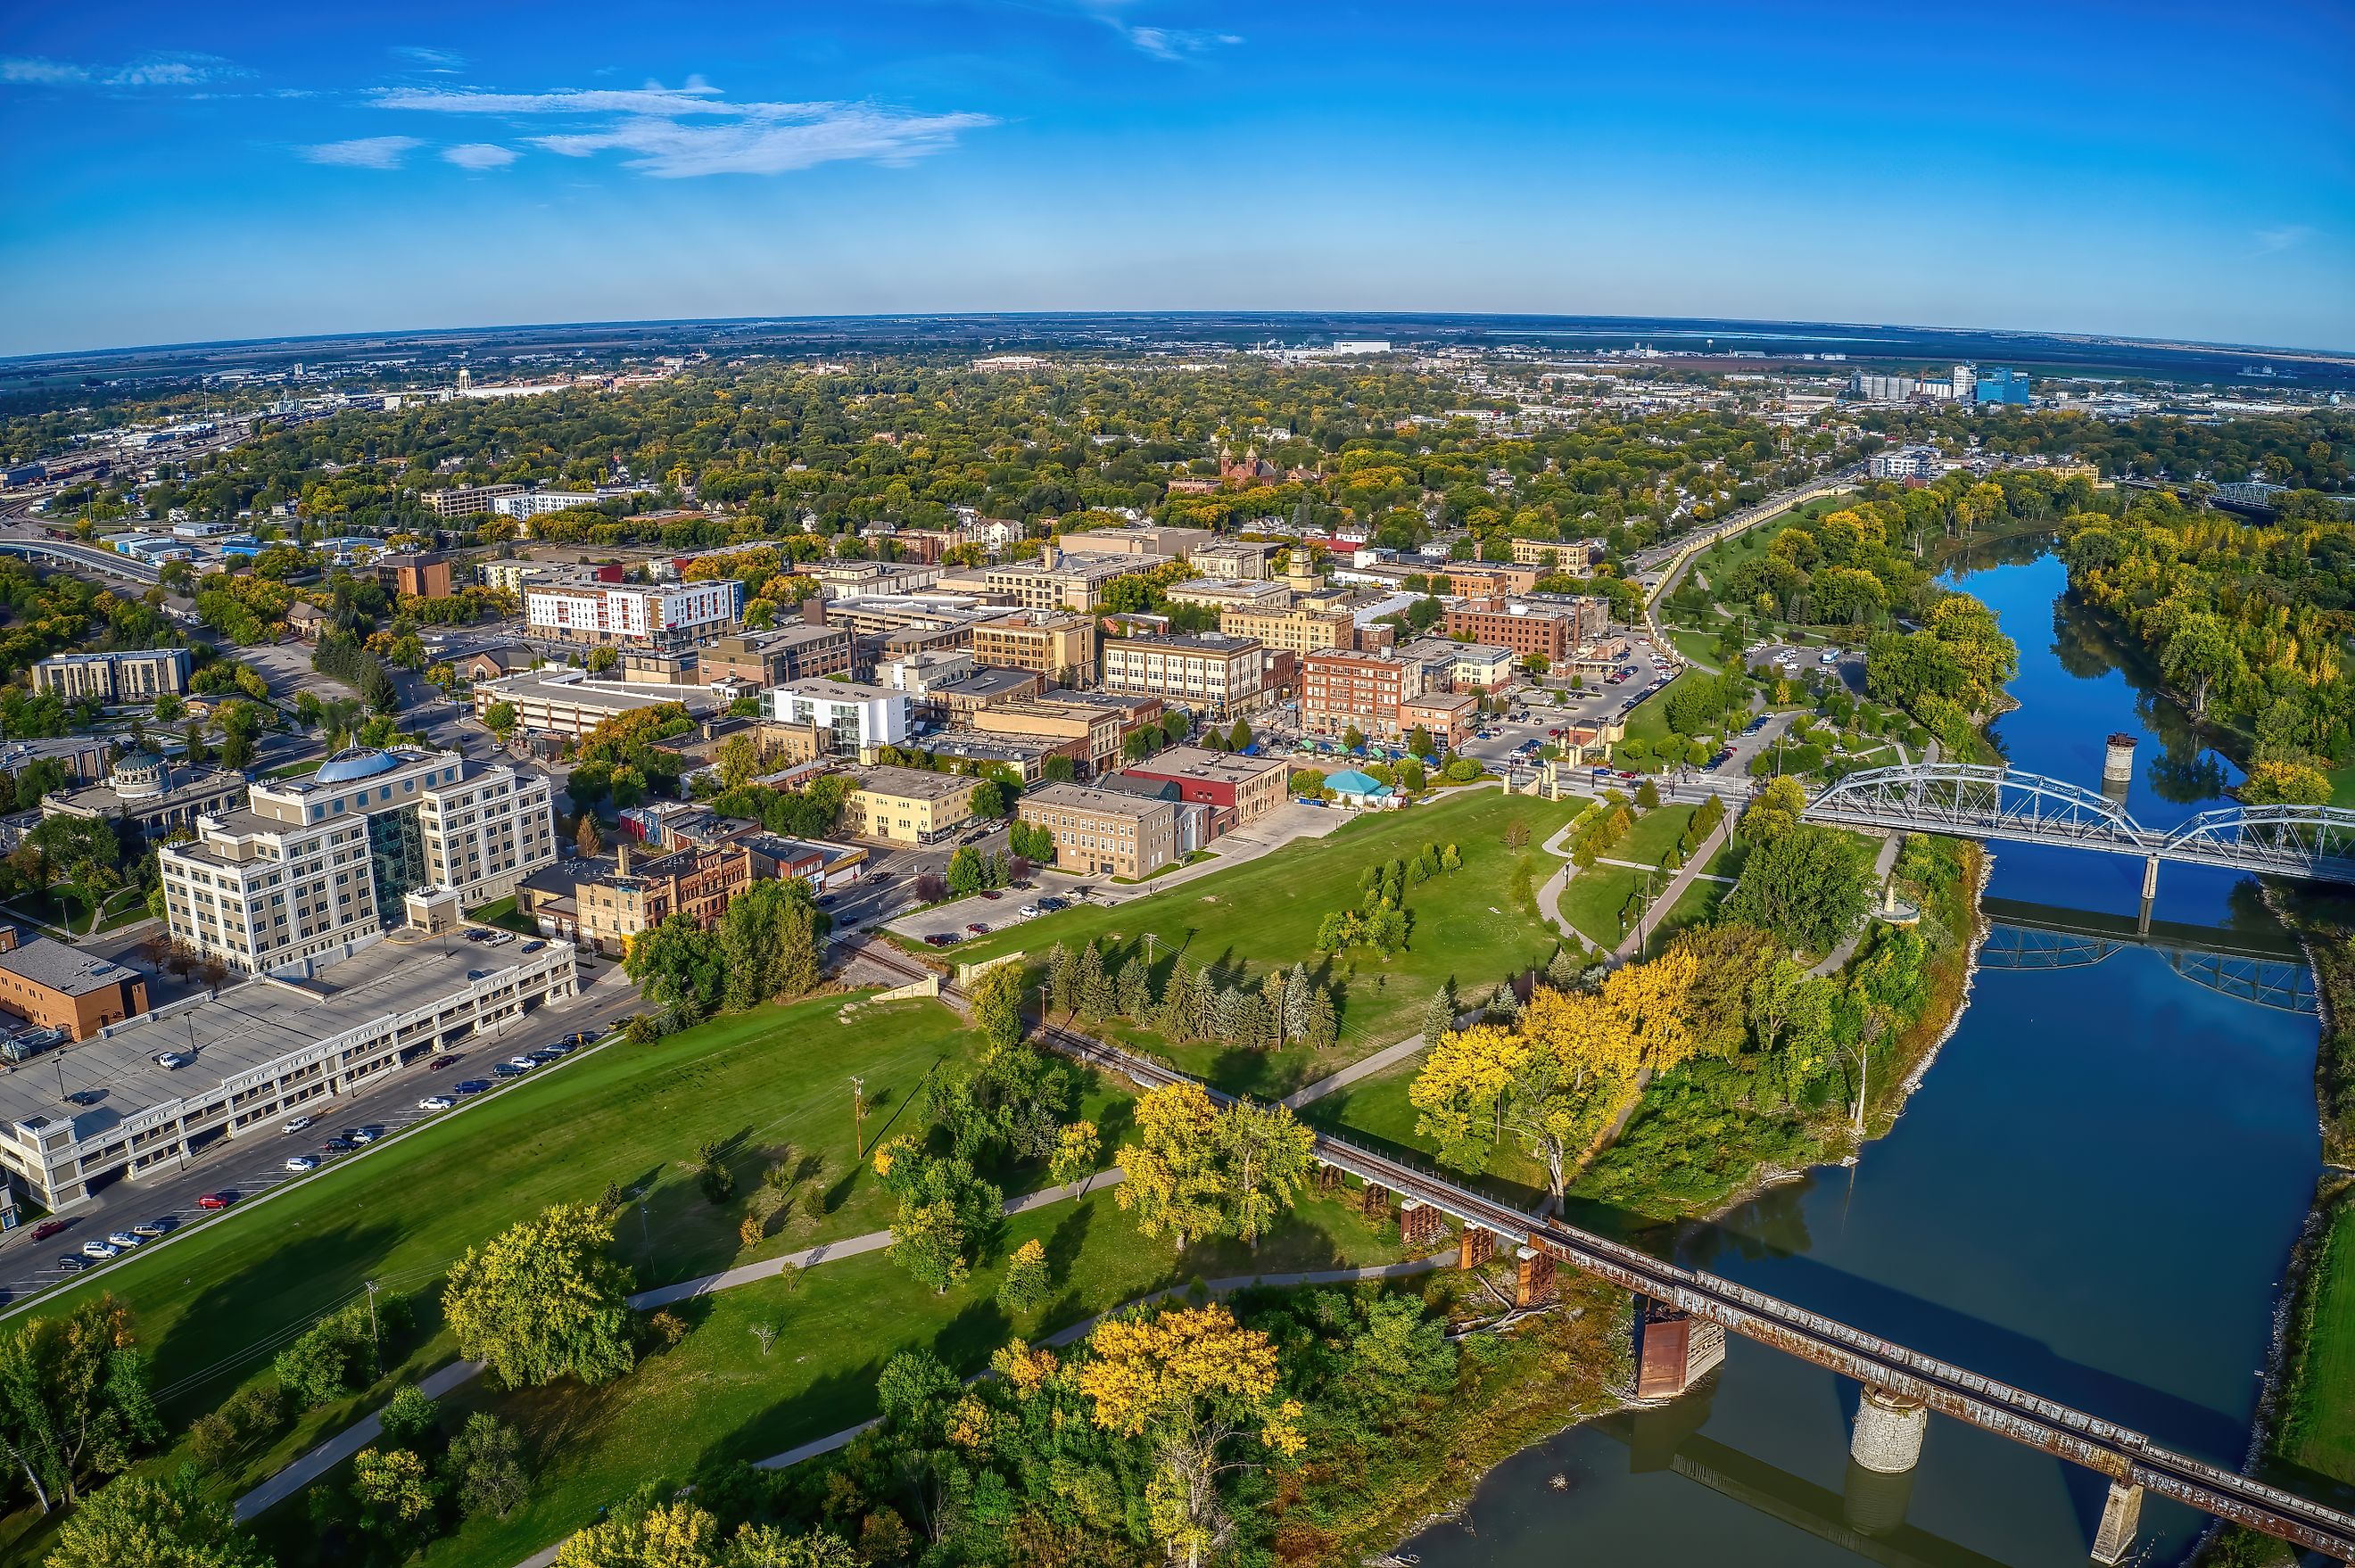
point(1488, 576)
point(1058, 581)
point(2003, 385)
point(1906, 462)
point(1480, 666)
point(604, 903)
point(1237, 560)
point(425, 573)
point(1552, 631)
point(566, 703)
point(1224, 593)
point(668, 615)
point(520, 503)
point(511, 575)
point(1146, 546)
point(53, 986)
point(1250, 787)
point(466, 500)
point(1217, 675)
point(1104, 832)
point(125, 677)
point(151, 795)
point(1575, 557)
point(860, 717)
point(800, 652)
point(1096, 730)
point(1060, 646)
point(1299, 629)
point(1341, 689)
point(1450, 717)
point(907, 806)
point(311, 868)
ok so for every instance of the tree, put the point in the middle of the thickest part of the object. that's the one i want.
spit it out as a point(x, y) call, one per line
point(1194, 1384)
point(947, 1216)
point(2200, 652)
point(499, 718)
point(676, 964)
point(143, 1521)
point(394, 1490)
point(543, 1300)
point(1265, 1155)
point(771, 943)
point(407, 1417)
point(1352, 738)
point(1773, 811)
point(739, 759)
point(483, 1466)
point(1077, 1148)
point(1439, 1013)
point(1023, 1289)
point(1174, 1180)
point(668, 1535)
point(587, 839)
point(1809, 885)
point(2284, 784)
point(997, 1001)
point(74, 1399)
point(1239, 736)
point(988, 800)
point(965, 872)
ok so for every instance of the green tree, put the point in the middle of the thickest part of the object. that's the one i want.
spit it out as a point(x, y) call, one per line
point(145, 1521)
point(1809, 885)
point(543, 1300)
point(997, 1001)
point(771, 943)
point(1266, 1157)
point(483, 1468)
point(1023, 1289)
point(966, 874)
point(988, 800)
point(1773, 812)
point(499, 718)
point(74, 1399)
point(678, 964)
point(395, 1491)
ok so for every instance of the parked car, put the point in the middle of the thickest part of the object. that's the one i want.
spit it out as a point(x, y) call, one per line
point(439, 1062)
point(125, 1240)
point(508, 1069)
point(48, 1228)
point(367, 1135)
point(525, 1062)
point(151, 1229)
point(474, 1086)
point(556, 1048)
point(216, 1200)
point(72, 1264)
point(171, 1061)
point(977, 928)
point(941, 939)
point(296, 1124)
point(1028, 910)
point(94, 1248)
point(992, 895)
point(435, 1103)
point(337, 1145)
point(300, 1162)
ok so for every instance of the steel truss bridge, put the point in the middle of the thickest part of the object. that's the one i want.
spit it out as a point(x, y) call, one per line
point(2266, 970)
point(1971, 801)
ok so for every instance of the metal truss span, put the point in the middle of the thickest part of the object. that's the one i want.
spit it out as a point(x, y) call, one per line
point(1973, 800)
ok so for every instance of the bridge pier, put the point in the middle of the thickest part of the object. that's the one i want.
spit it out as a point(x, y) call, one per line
point(1475, 1246)
point(2149, 891)
point(1675, 1349)
point(1889, 1431)
point(2121, 1516)
point(1419, 1223)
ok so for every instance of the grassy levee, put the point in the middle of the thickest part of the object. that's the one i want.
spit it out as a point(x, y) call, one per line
point(1473, 926)
point(2318, 1431)
point(213, 1307)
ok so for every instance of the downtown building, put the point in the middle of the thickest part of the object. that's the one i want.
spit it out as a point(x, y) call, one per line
point(312, 868)
point(668, 616)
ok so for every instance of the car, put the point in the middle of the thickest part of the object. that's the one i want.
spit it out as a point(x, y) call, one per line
point(151, 1229)
point(501, 938)
point(439, 1062)
point(435, 1103)
point(172, 1060)
point(296, 1124)
point(474, 1086)
point(556, 1048)
point(976, 928)
point(525, 1063)
point(944, 938)
point(476, 934)
point(94, 1248)
point(544, 1055)
point(1028, 910)
point(48, 1228)
point(508, 1069)
point(72, 1264)
point(337, 1145)
point(300, 1162)
point(478, 974)
point(825, 901)
point(1554, 733)
point(579, 1036)
point(992, 895)
point(532, 946)
point(125, 1240)
point(216, 1200)
point(1628, 777)
point(367, 1135)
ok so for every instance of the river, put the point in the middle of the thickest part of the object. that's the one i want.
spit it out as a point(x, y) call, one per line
point(2092, 1195)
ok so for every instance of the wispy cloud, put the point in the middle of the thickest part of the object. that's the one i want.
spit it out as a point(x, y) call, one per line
point(1172, 43)
point(682, 133)
point(479, 155)
point(147, 70)
point(423, 59)
point(2270, 240)
point(364, 151)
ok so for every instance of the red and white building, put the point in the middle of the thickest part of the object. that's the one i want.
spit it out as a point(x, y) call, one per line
point(666, 616)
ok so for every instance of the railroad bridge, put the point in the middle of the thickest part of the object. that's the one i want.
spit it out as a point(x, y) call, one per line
point(1691, 1311)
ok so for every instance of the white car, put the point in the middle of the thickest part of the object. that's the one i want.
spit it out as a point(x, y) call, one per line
point(99, 1249)
point(435, 1103)
point(1028, 909)
point(300, 1162)
point(124, 1239)
point(296, 1124)
point(521, 1063)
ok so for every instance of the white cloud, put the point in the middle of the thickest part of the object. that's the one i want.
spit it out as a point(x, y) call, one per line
point(479, 155)
point(147, 70)
point(364, 151)
point(684, 132)
point(428, 59)
point(1171, 43)
point(2270, 240)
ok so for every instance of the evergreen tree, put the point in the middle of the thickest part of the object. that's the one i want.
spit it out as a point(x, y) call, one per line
point(1088, 982)
point(1133, 994)
point(1062, 980)
point(1324, 1026)
point(1439, 1013)
point(1295, 1003)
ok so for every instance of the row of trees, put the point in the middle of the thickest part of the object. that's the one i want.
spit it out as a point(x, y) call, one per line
point(769, 942)
point(1288, 1008)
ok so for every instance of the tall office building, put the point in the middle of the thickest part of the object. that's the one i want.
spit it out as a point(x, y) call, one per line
point(311, 867)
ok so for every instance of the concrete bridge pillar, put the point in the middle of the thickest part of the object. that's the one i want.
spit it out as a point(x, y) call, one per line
point(1674, 1350)
point(2121, 1516)
point(1889, 1431)
point(2149, 891)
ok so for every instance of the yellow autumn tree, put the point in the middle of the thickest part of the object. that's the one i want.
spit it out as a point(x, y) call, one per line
point(1195, 1385)
point(1459, 1095)
point(1650, 1000)
point(1579, 1053)
point(1174, 1180)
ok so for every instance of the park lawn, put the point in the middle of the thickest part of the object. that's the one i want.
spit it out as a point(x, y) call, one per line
point(1700, 648)
point(503, 913)
point(2342, 784)
point(1375, 1112)
point(2319, 1434)
point(1728, 859)
point(1696, 905)
point(715, 1397)
point(1655, 833)
point(214, 1307)
point(1593, 901)
point(1468, 926)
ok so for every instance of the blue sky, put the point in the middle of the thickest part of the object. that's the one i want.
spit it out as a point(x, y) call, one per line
point(191, 172)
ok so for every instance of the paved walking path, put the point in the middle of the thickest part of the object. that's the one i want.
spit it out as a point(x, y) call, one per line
point(1630, 946)
point(344, 1445)
point(1388, 1057)
point(1882, 865)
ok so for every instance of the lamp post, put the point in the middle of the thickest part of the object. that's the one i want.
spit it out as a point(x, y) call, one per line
point(859, 1116)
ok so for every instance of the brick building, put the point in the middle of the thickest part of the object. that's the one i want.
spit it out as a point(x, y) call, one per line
point(1105, 832)
point(1250, 787)
point(1340, 689)
point(1217, 676)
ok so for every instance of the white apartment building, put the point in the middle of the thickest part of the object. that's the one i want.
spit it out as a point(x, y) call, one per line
point(1907, 463)
point(670, 616)
point(860, 716)
point(313, 868)
point(1218, 675)
point(539, 502)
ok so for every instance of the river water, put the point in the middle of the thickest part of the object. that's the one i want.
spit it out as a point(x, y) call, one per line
point(2092, 1195)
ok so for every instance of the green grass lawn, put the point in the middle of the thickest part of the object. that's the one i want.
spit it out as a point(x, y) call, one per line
point(717, 1397)
point(1468, 926)
point(1375, 1112)
point(1696, 905)
point(2319, 1432)
point(2342, 785)
point(503, 913)
point(212, 1308)
point(1593, 900)
point(1699, 646)
point(1655, 833)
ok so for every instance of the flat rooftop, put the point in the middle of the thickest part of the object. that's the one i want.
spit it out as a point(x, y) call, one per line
point(247, 1024)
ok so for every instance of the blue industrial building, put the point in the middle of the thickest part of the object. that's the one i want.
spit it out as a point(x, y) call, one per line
point(2003, 386)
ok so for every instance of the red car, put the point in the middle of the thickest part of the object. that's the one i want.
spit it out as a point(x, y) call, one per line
point(979, 929)
point(215, 1201)
point(48, 1228)
point(991, 893)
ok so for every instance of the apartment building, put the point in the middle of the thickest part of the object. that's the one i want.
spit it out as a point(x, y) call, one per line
point(1060, 646)
point(466, 500)
point(1104, 832)
point(907, 806)
point(1146, 546)
point(777, 659)
point(1575, 557)
point(604, 903)
point(310, 868)
point(860, 717)
point(124, 678)
point(1237, 560)
point(1450, 716)
point(1552, 630)
point(1341, 689)
point(1058, 581)
point(1299, 629)
point(509, 576)
point(1222, 593)
point(425, 573)
point(1249, 787)
point(667, 616)
point(1220, 677)
point(1488, 578)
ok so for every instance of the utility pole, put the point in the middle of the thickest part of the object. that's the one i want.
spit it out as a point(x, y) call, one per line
point(859, 1116)
point(375, 1341)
